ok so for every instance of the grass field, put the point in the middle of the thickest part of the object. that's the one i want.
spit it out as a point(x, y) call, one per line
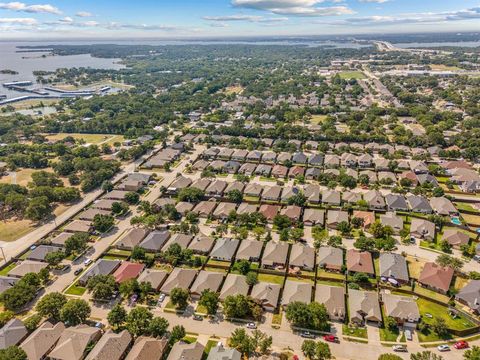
point(233, 90)
point(269, 278)
point(351, 75)
point(318, 119)
point(441, 67)
point(94, 139)
point(75, 290)
point(458, 323)
point(28, 104)
point(7, 269)
point(387, 335)
point(360, 332)
point(414, 267)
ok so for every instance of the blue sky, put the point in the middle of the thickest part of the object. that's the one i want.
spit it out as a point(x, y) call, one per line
point(223, 18)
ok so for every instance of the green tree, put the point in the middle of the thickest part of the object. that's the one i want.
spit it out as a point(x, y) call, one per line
point(344, 228)
point(128, 288)
point(103, 223)
point(425, 355)
point(311, 316)
point(389, 357)
point(138, 253)
point(138, 321)
point(322, 351)
point(251, 278)
point(55, 257)
point(102, 287)
point(240, 340)
point(158, 326)
point(210, 300)
point(75, 312)
point(179, 297)
point(38, 208)
point(243, 266)
point(51, 304)
point(472, 354)
point(191, 194)
point(178, 332)
point(117, 316)
point(13, 353)
point(32, 322)
point(132, 197)
point(235, 196)
point(309, 348)
point(440, 326)
point(236, 306)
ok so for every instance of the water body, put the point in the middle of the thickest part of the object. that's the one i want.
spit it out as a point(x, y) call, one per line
point(26, 62)
point(471, 44)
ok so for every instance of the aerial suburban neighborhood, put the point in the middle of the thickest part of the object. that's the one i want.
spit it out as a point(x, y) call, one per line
point(225, 201)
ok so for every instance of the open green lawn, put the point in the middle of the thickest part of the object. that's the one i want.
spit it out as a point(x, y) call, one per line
point(330, 283)
point(351, 75)
point(88, 138)
point(465, 206)
point(76, 290)
point(360, 332)
point(329, 275)
point(388, 335)
point(457, 323)
point(209, 346)
point(225, 264)
point(269, 278)
point(431, 294)
point(7, 269)
point(318, 119)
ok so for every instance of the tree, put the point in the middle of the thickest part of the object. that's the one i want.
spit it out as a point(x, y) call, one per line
point(18, 295)
point(390, 323)
point(107, 186)
point(51, 304)
point(236, 306)
point(76, 243)
point(191, 194)
point(138, 321)
point(298, 199)
point(178, 332)
point(389, 357)
point(138, 253)
point(235, 196)
point(261, 342)
point(128, 288)
point(425, 355)
point(119, 207)
point(55, 257)
point(179, 297)
point(132, 197)
point(440, 326)
point(102, 287)
point(311, 316)
point(360, 278)
point(75, 312)
point(240, 340)
point(322, 351)
point(209, 299)
point(334, 241)
point(251, 278)
point(364, 244)
point(282, 222)
point(308, 348)
point(296, 234)
point(144, 288)
point(13, 353)
point(243, 266)
point(158, 326)
point(472, 354)
point(5, 317)
point(103, 223)
point(32, 322)
point(344, 228)
point(38, 208)
point(450, 261)
point(117, 316)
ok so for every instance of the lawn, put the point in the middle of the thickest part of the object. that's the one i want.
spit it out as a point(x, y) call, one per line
point(224, 264)
point(6, 270)
point(464, 206)
point(277, 318)
point(201, 310)
point(121, 253)
point(471, 219)
point(415, 267)
point(360, 332)
point(460, 282)
point(441, 67)
point(76, 290)
point(88, 138)
point(318, 119)
point(13, 230)
point(388, 335)
point(189, 339)
point(351, 75)
point(431, 294)
point(425, 306)
point(269, 278)
point(330, 283)
point(209, 346)
point(329, 275)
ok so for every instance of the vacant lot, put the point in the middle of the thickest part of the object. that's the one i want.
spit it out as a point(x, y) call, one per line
point(351, 75)
point(318, 119)
point(94, 139)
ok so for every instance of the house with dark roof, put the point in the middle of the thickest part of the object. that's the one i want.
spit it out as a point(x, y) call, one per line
point(40, 252)
point(396, 202)
point(155, 240)
point(419, 204)
point(470, 296)
point(12, 333)
point(100, 267)
point(393, 267)
point(224, 249)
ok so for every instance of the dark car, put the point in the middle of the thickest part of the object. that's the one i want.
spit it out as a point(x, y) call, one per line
point(197, 317)
point(78, 271)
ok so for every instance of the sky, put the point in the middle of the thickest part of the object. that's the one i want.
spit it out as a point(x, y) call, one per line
point(171, 19)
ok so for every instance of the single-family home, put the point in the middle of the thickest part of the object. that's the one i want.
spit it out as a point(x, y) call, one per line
point(178, 278)
point(269, 211)
point(360, 262)
point(313, 217)
point(423, 229)
point(206, 280)
point(275, 255)
point(12, 333)
point(100, 267)
point(74, 342)
point(375, 200)
point(396, 202)
point(403, 309)
point(436, 277)
point(469, 295)
point(201, 244)
point(392, 220)
point(330, 258)
point(127, 271)
point(234, 285)
point(154, 277)
point(333, 297)
point(443, 206)
point(155, 240)
point(132, 238)
point(266, 294)
point(296, 291)
point(393, 268)
point(224, 249)
point(335, 217)
point(249, 250)
point(187, 351)
point(302, 257)
point(111, 346)
point(42, 340)
point(147, 348)
point(455, 237)
point(363, 307)
point(419, 204)
point(204, 208)
point(331, 197)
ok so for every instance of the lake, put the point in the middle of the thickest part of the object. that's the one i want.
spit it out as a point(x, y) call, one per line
point(27, 62)
point(438, 44)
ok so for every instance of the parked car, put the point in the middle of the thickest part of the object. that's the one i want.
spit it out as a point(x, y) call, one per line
point(197, 317)
point(251, 325)
point(443, 347)
point(399, 348)
point(476, 258)
point(78, 271)
point(87, 261)
point(462, 344)
point(408, 335)
point(161, 298)
point(307, 335)
point(331, 338)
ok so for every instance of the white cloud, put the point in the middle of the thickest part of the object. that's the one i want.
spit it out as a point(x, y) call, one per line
point(18, 21)
point(38, 8)
point(241, 17)
point(374, 1)
point(84, 14)
point(294, 7)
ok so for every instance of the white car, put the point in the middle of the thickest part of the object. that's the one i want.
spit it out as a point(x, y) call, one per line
point(87, 261)
point(251, 325)
point(399, 348)
point(161, 298)
point(443, 347)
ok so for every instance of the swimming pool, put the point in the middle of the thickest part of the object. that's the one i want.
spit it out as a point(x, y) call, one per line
point(456, 221)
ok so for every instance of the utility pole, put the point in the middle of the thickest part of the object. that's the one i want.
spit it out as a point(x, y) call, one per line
point(3, 255)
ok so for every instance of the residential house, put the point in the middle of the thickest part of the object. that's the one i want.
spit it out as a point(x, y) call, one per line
point(315, 160)
point(335, 217)
point(374, 199)
point(147, 348)
point(427, 179)
point(269, 157)
point(351, 197)
point(154, 241)
point(100, 267)
point(219, 352)
point(331, 197)
point(269, 211)
point(201, 184)
point(183, 350)
point(436, 277)
point(470, 295)
point(312, 193)
point(365, 160)
point(349, 160)
point(371, 175)
point(386, 177)
point(331, 161)
point(296, 291)
point(246, 208)
point(313, 217)
point(368, 217)
point(279, 171)
point(154, 277)
point(132, 238)
point(89, 214)
point(223, 210)
point(40, 252)
point(333, 297)
point(184, 207)
point(74, 341)
point(201, 244)
point(42, 340)
point(293, 212)
point(235, 185)
point(271, 193)
point(79, 226)
point(127, 271)
point(206, 280)
point(116, 195)
point(455, 237)
point(443, 206)
point(284, 157)
point(392, 220)
point(6, 283)
point(312, 173)
point(253, 190)
point(27, 266)
point(419, 204)
point(275, 255)
point(224, 249)
point(240, 154)
point(266, 294)
point(234, 285)
point(254, 155)
point(178, 278)
point(360, 261)
point(12, 333)
point(181, 182)
point(183, 240)
point(216, 188)
point(249, 250)
point(418, 167)
point(330, 258)
point(302, 257)
point(363, 307)
point(393, 268)
point(422, 229)
point(263, 170)
point(111, 346)
point(232, 167)
point(403, 309)
point(204, 208)
point(396, 202)
point(60, 239)
point(295, 171)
